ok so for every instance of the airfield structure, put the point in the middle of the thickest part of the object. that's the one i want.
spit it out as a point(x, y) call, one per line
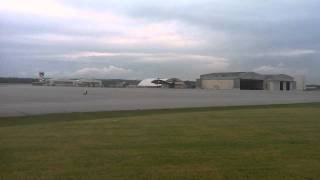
point(246, 81)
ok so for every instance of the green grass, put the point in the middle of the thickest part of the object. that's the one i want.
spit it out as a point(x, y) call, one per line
point(253, 142)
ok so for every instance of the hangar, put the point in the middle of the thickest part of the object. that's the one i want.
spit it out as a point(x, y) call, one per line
point(246, 81)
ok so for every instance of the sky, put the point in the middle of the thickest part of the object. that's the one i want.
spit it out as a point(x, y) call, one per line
point(136, 39)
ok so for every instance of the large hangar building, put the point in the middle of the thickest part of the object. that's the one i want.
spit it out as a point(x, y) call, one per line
point(246, 81)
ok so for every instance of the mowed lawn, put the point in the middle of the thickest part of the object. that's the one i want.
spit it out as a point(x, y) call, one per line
point(254, 142)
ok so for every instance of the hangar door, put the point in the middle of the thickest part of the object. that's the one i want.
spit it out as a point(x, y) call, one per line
point(284, 85)
point(251, 84)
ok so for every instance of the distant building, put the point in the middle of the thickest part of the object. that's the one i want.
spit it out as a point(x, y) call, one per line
point(74, 82)
point(313, 87)
point(246, 81)
point(61, 82)
point(88, 83)
point(120, 83)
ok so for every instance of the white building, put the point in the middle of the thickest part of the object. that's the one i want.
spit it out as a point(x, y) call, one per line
point(150, 83)
point(163, 83)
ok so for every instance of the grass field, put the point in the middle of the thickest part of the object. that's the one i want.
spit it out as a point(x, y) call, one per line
point(254, 142)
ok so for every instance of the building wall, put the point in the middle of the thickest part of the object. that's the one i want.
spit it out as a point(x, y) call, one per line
point(292, 85)
point(236, 83)
point(275, 85)
point(300, 82)
point(217, 84)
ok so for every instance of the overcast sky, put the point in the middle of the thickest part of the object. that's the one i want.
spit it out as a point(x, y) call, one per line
point(136, 39)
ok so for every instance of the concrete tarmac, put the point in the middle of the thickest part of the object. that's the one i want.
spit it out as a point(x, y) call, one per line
point(20, 100)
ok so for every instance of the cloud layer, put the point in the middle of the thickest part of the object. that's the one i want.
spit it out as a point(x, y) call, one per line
point(110, 71)
point(140, 39)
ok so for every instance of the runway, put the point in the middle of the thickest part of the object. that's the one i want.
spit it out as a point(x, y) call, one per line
point(20, 100)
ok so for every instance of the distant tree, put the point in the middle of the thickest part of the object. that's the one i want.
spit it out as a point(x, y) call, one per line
point(16, 80)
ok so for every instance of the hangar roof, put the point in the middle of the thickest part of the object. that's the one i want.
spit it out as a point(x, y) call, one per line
point(247, 75)
point(233, 75)
point(279, 77)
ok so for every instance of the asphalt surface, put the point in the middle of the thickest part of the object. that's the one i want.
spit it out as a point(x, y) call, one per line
point(19, 100)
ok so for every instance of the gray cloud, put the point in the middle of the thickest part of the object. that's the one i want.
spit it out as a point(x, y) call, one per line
point(159, 38)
